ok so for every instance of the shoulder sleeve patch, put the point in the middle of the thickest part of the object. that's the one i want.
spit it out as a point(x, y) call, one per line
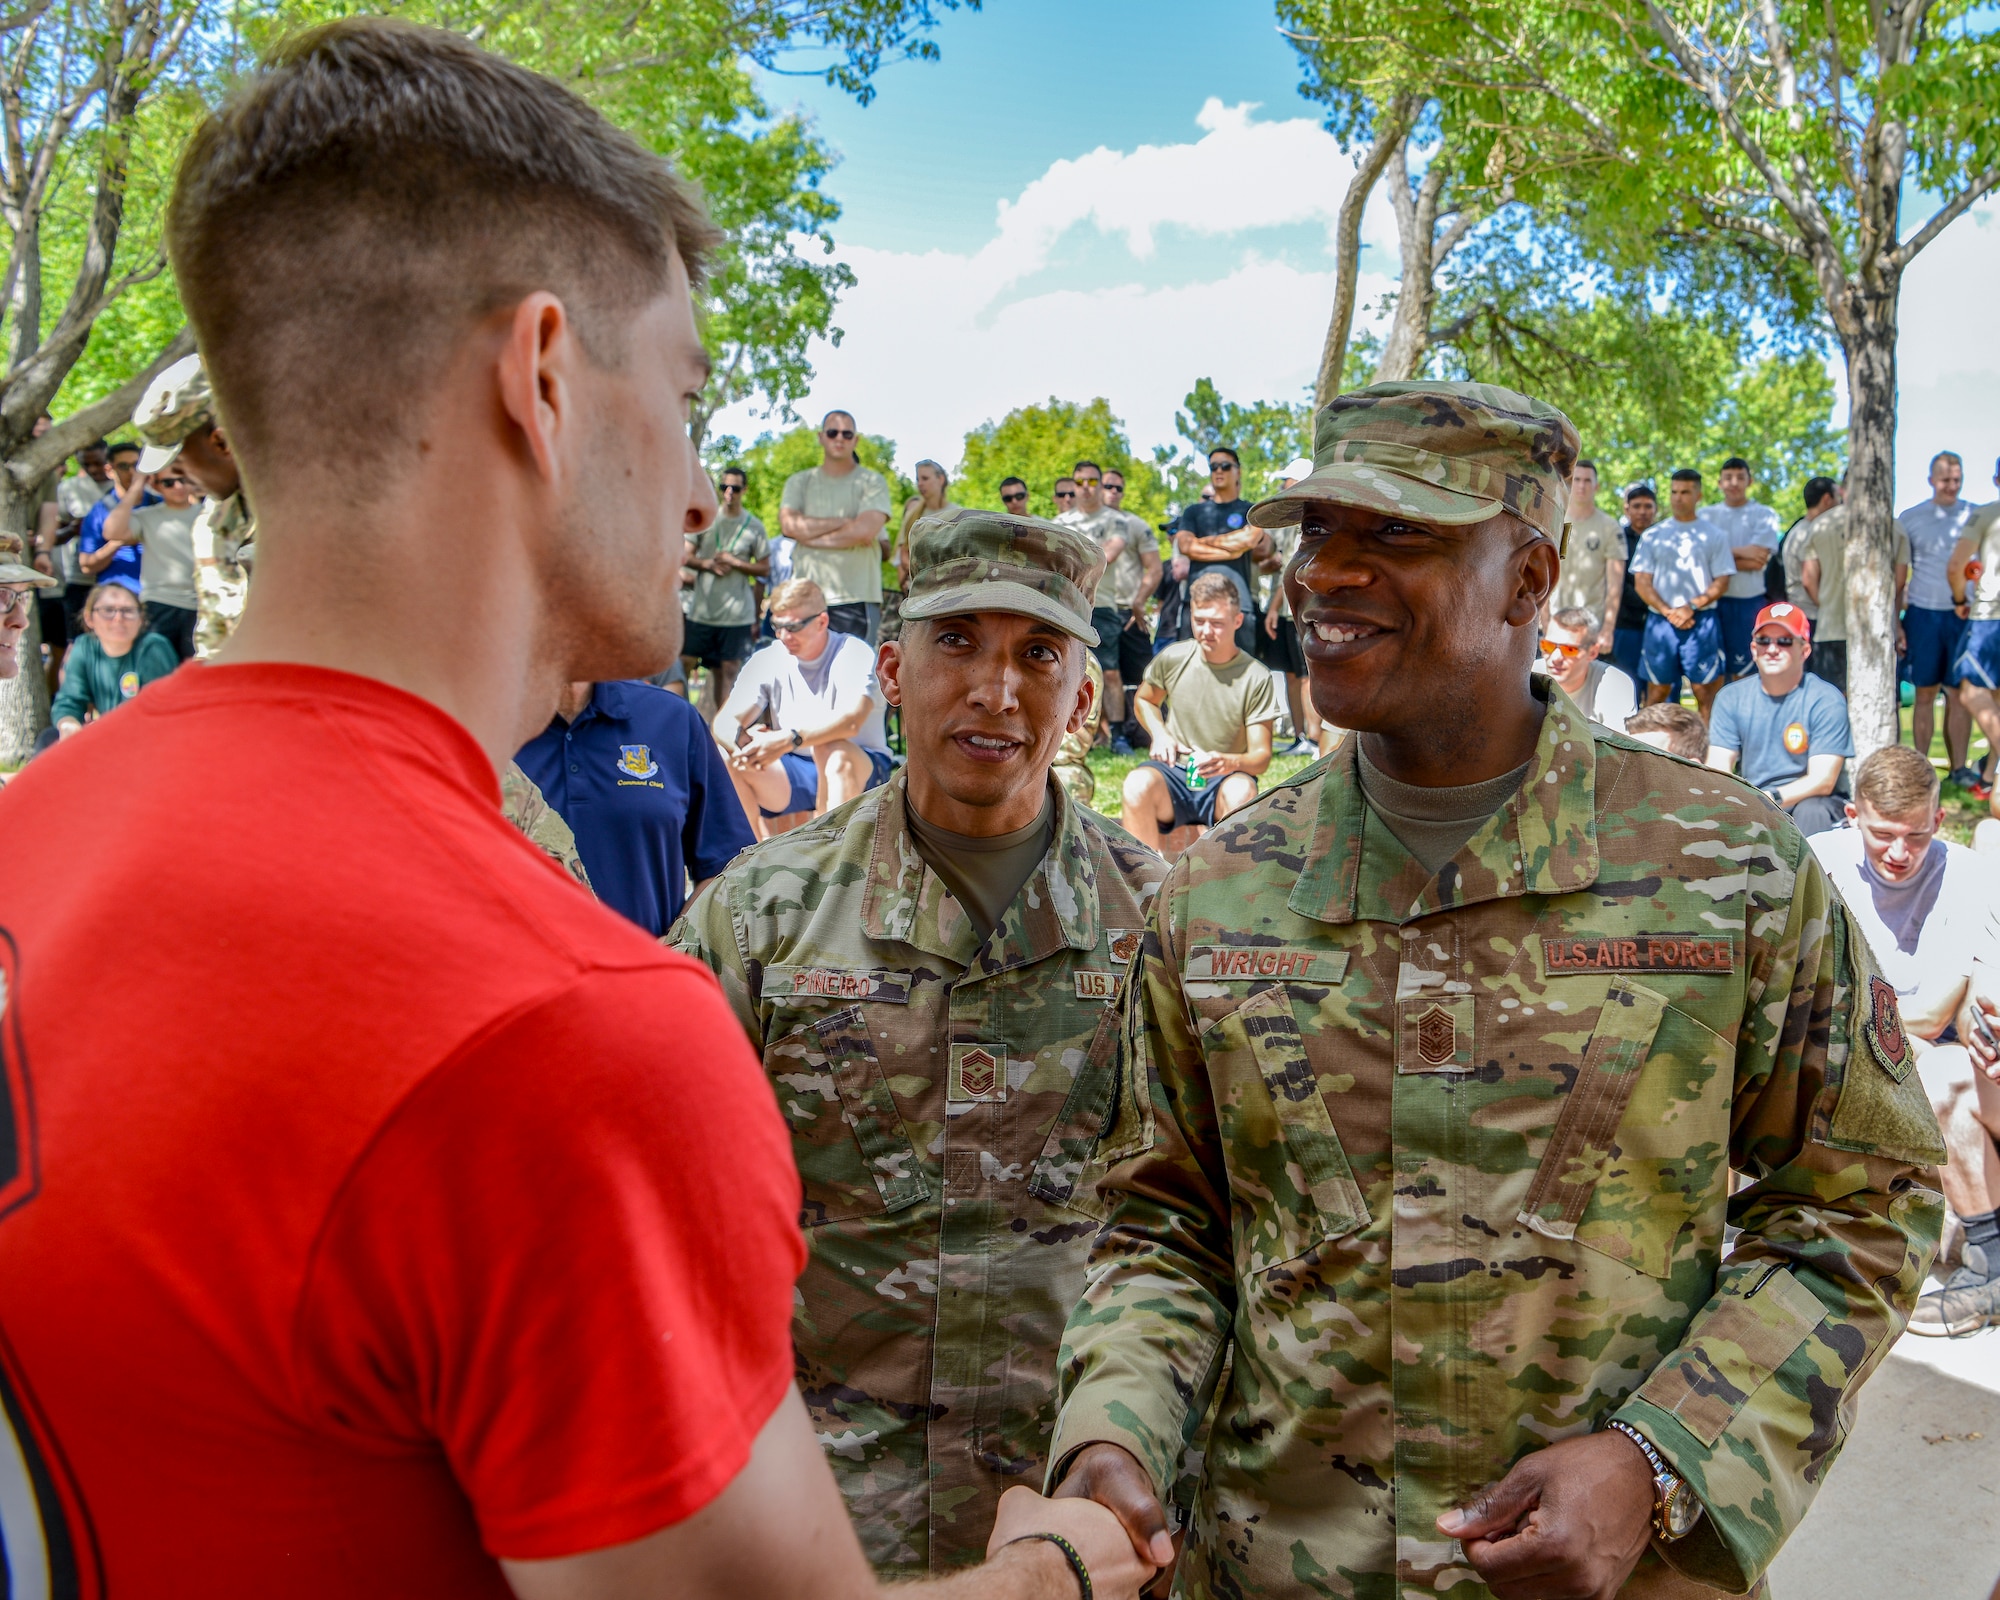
point(1886, 1038)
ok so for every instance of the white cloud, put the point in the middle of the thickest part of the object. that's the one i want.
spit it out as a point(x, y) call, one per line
point(937, 343)
point(1947, 365)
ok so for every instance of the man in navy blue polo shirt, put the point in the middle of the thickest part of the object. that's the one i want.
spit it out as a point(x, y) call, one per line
point(632, 770)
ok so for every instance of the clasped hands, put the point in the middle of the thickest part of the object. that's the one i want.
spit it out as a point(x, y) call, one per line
point(1569, 1522)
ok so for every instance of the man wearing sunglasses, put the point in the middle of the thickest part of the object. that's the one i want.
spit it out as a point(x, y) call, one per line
point(1014, 496)
point(1787, 727)
point(1131, 572)
point(814, 689)
point(1216, 535)
point(19, 584)
point(165, 536)
point(1571, 645)
point(835, 513)
point(1454, 1041)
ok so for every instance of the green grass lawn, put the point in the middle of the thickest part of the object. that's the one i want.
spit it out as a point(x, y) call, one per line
point(1110, 770)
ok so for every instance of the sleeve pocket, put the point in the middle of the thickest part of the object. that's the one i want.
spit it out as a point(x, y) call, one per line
point(1731, 1350)
point(1289, 1170)
point(854, 1154)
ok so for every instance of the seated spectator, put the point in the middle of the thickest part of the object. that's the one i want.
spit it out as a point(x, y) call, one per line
point(1681, 571)
point(1930, 911)
point(1570, 648)
point(111, 663)
point(1072, 763)
point(165, 533)
point(817, 689)
point(1208, 706)
point(97, 559)
point(1788, 727)
point(1672, 727)
point(646, 794)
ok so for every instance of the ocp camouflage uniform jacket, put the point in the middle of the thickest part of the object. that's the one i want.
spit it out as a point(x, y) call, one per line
point(223, 534)
point(1446, 1161)
point(946, 1101)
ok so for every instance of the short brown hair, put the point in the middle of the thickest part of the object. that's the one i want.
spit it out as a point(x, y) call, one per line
point(1211, 587)
point(1687, 734)
point(358, 205)
point(1897, 781)
point(796, 594)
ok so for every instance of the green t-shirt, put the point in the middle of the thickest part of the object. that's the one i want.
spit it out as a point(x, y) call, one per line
point(726, 601)
point(985, 875)
point(1212, 708)
point(94, 681)
point(1829, 543)
point(844, 576)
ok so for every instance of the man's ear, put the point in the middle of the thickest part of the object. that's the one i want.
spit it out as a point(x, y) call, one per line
point(1086, 699)
point(536, 372)
point(1539, 566)
point(889, 670)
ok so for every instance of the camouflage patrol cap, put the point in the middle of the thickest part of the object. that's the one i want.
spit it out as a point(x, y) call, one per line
point(14, 569)
point(963, 561)
point(176, 404)
point(1445, 453)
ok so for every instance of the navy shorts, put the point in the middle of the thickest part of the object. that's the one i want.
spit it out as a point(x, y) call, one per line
point(804, 773)
point(1979, 656)
point(1671, 651)
point(1192, 807)
point(1934, 638)
point(1739, 622)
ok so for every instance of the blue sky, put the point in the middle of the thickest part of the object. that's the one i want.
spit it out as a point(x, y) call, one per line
point(1117, 197)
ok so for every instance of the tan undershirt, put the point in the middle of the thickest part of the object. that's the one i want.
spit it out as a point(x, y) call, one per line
point(984, 875)
point(1434, 824)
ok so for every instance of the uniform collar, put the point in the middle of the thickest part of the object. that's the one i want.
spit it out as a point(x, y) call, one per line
point(906, 902)
point(1542, 841)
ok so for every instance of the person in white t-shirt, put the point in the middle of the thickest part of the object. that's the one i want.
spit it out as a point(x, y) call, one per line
point(1752, 532)
point(1570, 651)
point(816, 689)
point(1930, 912)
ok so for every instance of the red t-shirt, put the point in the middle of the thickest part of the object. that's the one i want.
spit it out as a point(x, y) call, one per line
point(372, 1202)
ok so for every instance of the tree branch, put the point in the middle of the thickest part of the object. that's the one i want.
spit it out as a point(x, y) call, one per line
point(1943, 218)
point(37, 457)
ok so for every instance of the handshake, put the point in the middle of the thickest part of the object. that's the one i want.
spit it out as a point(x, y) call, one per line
point(1105, 1561)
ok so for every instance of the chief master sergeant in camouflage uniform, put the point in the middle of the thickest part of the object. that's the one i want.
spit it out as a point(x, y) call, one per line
point(176, 419)
point(1454, 1041)
point(928, 974)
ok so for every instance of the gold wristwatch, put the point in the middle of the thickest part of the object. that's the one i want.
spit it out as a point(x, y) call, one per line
point(1676, 1509)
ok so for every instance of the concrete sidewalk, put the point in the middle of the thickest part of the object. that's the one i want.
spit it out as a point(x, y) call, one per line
point(1912, 1509)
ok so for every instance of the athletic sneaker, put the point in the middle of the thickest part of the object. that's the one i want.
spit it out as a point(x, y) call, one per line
point(1969, 1300)
point(1965, 777)
point(1119, 746)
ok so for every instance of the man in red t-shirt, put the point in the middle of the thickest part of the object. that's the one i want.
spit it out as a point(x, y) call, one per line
point(394, 1220)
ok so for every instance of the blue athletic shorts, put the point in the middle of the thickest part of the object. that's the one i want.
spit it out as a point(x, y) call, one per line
point(1979, 656)
point(1192, 807)
point(1670, 651)
point(1739, 622)
point(804, 773)
point(1934, 638)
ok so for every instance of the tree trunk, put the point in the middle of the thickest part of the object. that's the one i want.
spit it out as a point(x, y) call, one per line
point(1416, 228)
point(24, 700)
point(1347, 236)
point(1873, 706)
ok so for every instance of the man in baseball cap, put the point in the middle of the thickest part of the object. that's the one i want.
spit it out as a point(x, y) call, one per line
point(18, 583)
point(1394, 1012)
point(964, 925)
point(176, 421)
point(1785, 731)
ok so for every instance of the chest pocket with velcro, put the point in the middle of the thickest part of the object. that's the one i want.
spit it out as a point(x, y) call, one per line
point(855, 1156)
point(1619, 1173)
point(1290, 1182)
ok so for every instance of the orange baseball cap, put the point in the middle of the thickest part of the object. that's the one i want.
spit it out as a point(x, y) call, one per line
point(1789, 617)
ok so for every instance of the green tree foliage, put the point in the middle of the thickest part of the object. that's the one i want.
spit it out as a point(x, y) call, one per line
point(1265, 435)
point(776, 456)
point(1041, 444)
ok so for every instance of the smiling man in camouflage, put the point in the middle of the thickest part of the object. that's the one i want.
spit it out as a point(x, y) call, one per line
point(1454, 1042)
point(928, 973)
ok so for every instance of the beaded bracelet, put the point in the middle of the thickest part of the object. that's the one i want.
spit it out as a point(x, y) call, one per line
point(1069, 1552)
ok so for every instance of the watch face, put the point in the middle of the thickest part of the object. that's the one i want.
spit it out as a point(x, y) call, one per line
point(1681, 1513)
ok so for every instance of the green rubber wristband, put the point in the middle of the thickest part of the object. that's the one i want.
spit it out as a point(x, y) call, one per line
point(1069, 1554)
